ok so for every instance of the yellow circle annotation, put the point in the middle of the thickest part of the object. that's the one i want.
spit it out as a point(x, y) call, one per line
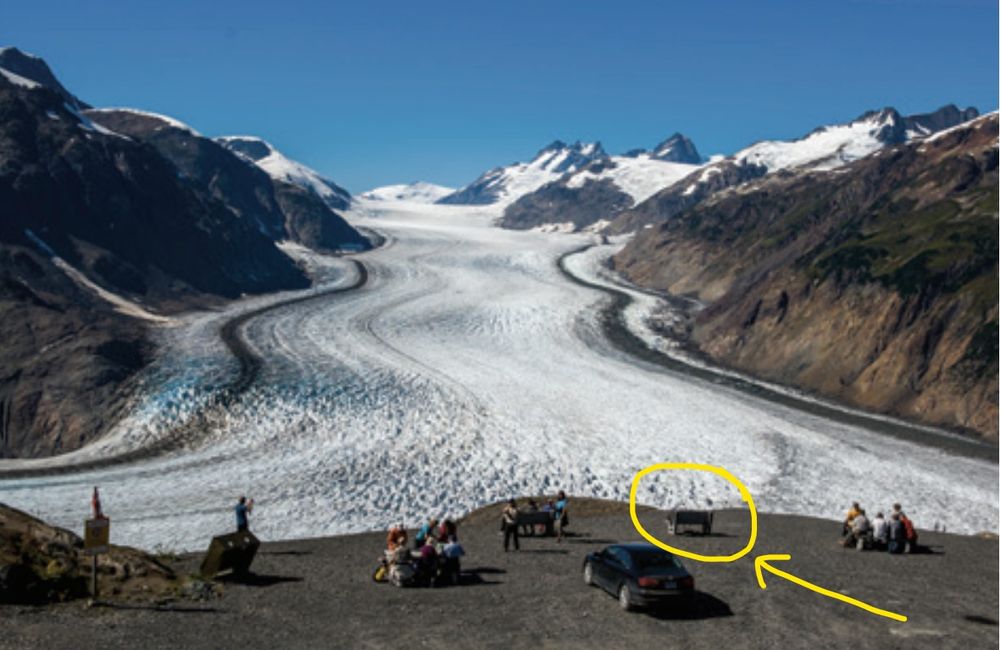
point(719, 471)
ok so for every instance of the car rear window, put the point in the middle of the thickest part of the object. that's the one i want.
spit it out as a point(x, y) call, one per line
point(655, 560)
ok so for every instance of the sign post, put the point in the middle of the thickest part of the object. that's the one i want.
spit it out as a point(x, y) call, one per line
point(96, 534)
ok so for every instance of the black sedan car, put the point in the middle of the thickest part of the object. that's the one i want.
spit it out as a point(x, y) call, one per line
point(639, 575)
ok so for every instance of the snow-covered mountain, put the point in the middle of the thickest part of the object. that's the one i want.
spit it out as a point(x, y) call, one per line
point(597, 192)
point(825, 148)
point(284, 169)
point(503, 185)
point(418, 192)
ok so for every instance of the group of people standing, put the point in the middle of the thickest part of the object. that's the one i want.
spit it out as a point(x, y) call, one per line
point(894, 535)
point(558, 510)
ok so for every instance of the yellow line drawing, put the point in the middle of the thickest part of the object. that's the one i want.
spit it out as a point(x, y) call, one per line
point(761, 561)
point(745, 494)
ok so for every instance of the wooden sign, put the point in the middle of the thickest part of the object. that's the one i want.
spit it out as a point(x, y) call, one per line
point(96, 534)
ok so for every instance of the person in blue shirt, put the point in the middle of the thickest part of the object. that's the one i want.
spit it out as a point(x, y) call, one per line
point(429, 529)
point(560, 514)
point(243, 509)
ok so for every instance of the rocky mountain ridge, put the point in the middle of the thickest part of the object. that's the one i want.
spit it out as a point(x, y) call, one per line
point(876, 283)
point(104, 234)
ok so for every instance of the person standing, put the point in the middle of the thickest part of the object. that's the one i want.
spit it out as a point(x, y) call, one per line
point(562, 519)
point(510, 520)
point(243, 510)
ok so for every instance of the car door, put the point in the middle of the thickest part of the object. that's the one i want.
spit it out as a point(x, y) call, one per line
point(603, 569)
point(618, 568)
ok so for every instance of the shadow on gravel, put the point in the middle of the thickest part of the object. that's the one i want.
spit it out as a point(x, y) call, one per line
point(258, 579)
point(702, 606)
point(983, 620)
point(291, 553)
point(542, 551)
point(474, 579)
point(592, 540)
point(166, 608)
point(488, 570)
point(928, 550)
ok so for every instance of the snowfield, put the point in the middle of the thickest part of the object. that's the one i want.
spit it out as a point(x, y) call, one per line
point(467, 369)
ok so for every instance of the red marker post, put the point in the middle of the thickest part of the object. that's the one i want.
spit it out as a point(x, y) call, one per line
point(96, 533)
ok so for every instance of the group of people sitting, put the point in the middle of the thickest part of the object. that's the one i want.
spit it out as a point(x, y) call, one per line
point(433, 561)
point(894, 535)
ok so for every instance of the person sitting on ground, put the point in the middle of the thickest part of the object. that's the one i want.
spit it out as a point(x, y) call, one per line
point(895, 537)
point(879, 532)
point(560, 516)
point(859, 530)
point(509, 519)
point(243, 510)
point(428, 530)
point(396, 538)
point(849, 518)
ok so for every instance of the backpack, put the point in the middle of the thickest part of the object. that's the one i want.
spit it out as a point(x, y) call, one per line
point(909, 534)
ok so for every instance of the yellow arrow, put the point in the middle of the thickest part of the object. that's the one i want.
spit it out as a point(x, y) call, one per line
point(761, 562)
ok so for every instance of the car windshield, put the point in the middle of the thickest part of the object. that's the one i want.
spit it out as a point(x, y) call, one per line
point(655, 560)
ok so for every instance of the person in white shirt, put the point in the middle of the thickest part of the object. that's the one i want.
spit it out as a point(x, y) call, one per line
point(880, 531)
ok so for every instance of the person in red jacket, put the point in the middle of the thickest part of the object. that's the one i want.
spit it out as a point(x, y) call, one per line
point(396, 538)
point(910, 534)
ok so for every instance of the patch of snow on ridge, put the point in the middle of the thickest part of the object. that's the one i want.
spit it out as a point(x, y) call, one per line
point(18, 80)
point(121, 304)
point(640, 177)
point(166, 119)
point(825, 148)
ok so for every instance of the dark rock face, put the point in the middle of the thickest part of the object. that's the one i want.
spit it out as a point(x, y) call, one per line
point(68, 184)
point(557, 203)
point(255, 149)
point(243, 188)
point(279, 210)
point(119, 212)
point(876, 284)
point(678, 149)
point(309, 221)
point(37, 70)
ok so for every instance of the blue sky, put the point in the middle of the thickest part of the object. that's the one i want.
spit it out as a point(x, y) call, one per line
point(373, 93)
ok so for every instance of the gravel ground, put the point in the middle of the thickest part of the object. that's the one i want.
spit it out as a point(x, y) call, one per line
point(319, 593)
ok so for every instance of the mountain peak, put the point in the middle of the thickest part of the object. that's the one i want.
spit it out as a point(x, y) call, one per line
point(677, 148)
point(248, 146)
point(34, 68)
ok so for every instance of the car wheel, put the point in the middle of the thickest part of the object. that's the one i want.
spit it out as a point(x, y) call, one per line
point(588, 574)
point(625, 598)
